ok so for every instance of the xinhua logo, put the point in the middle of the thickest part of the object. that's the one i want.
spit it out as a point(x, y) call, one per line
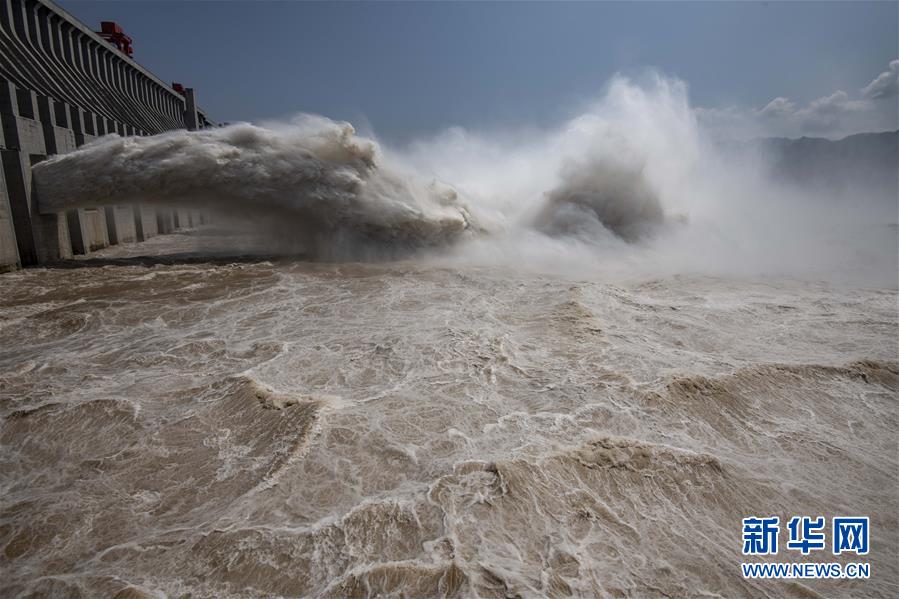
point(806, 534)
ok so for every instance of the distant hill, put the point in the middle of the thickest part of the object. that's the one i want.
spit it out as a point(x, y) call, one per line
point(866, 162)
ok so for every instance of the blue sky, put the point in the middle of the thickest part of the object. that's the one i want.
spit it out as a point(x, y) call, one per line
point(411, 69)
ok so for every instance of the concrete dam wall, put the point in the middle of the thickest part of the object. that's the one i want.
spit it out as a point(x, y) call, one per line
point(61, 86)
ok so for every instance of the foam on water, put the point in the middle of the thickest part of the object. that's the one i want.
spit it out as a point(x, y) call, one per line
point(411, 429)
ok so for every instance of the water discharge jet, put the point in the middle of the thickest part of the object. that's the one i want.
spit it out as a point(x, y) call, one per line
point(314, 174)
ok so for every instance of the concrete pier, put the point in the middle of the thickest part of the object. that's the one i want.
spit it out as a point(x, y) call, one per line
point(39, 237)
point(121, 224)
point(165, 221)
point(61, 86)
point(9, 253)
point(144, 223)
point(88, 229)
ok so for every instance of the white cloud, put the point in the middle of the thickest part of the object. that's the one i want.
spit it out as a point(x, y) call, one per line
point(885, 85)
point(826, 113)
point(779, 106)
point(834, 115)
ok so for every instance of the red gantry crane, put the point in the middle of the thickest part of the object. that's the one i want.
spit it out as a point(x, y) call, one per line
point(114, 34)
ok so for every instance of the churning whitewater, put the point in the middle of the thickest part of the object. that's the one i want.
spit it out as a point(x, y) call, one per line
point(317, 174)
point(632, 183)
point(507, 364)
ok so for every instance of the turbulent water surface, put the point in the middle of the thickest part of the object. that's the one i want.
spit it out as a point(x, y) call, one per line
point(563, 362)
point(182, 426)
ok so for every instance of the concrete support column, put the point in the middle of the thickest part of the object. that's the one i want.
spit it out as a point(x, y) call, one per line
point(191, 118)
point(58, 137)
point(76, 238)
point(111, 232)
point(39, 238)
point(76, 118)
point(90, 232)
point(9, 252)
point(17, 187)
point(164, 221)
point(89, 122)
point(145, 224)
point(120, 224)
point(47, 118)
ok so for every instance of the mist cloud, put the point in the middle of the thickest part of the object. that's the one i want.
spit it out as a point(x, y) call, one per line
point(632, 184)
point(885, 85)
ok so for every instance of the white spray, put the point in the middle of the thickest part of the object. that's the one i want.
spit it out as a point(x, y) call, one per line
point(633, 184)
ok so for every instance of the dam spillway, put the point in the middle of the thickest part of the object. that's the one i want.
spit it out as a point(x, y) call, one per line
point(63, 85)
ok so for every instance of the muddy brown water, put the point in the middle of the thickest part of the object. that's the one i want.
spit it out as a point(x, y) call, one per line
point(194, 427)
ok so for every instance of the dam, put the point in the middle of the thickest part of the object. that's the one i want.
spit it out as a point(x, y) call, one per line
point(63, 85)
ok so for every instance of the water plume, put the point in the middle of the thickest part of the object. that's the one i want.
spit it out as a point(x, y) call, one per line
point(632, 182)
point(614, 198)
point(314, 179)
